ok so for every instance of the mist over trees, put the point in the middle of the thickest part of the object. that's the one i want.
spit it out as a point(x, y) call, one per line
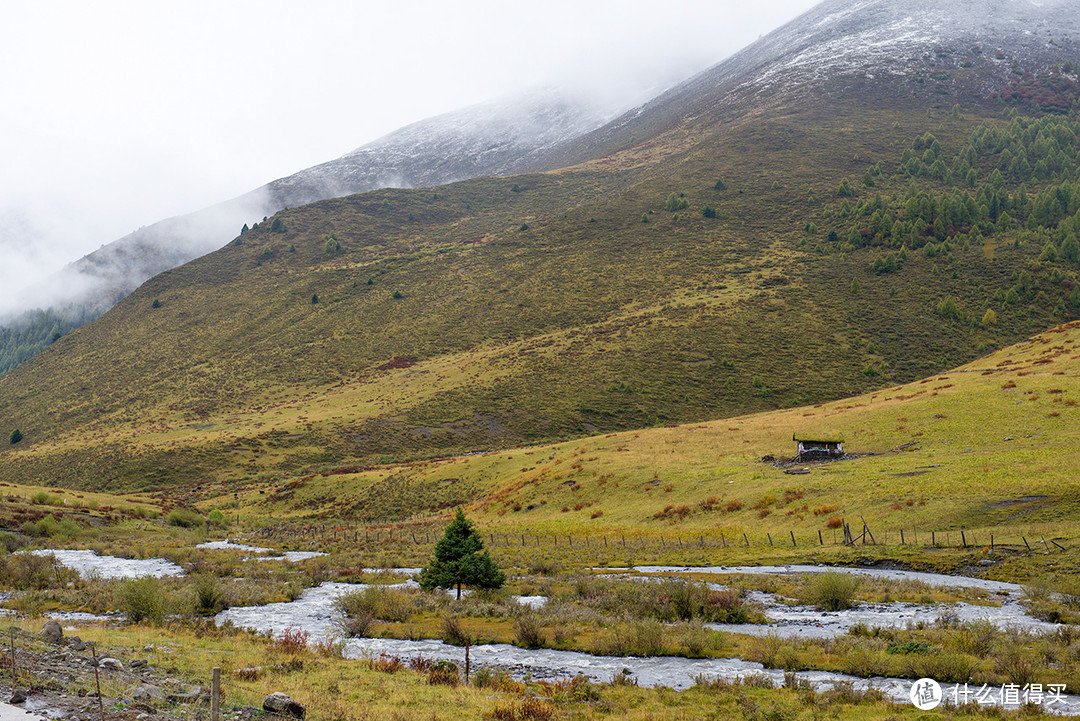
point(24, 336)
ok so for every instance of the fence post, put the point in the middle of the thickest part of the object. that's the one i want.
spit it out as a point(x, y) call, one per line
point(13, 662)
point(97, 681)
point(820, 540)
point(793, 539)
point(902, 537)
point(770, 538)
point(215, 694)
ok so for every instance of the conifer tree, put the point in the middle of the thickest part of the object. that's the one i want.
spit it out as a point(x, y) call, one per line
point(460, 560)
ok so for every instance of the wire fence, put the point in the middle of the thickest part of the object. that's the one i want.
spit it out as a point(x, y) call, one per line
point(838, 534)
point(73, 679)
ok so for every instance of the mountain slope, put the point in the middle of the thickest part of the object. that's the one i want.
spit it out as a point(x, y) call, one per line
point(839, 48)
point(493, 138)
point(984, 448)
point(630, 290)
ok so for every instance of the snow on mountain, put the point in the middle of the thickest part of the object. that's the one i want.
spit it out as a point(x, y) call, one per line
point(963, 49)
point(959, 48)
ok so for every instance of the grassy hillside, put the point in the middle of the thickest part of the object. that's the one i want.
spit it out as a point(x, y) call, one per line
point(490, 313)
point(985, 448)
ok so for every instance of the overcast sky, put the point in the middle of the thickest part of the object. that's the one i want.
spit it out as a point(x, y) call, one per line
point(118, 114)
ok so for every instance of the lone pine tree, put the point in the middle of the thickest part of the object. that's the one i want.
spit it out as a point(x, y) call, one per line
point(460, 560)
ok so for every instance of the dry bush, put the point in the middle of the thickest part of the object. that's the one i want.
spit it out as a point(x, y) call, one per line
point(420, 664)
point(536, 709)
point(247, 674)
point(709, 504)
point(453, 633)
point(293, 641)
point(529, 631)
point(358, 626)
point(504, 711)
point(443, 673)
point(386, 663)
point(765, 501)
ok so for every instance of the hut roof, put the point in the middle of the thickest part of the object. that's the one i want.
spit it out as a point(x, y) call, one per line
point(817, 437)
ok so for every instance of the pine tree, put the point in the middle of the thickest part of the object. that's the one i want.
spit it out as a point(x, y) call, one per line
point(16, 436)
point(1049, 252)
point(460, 560)
point(1070, 248)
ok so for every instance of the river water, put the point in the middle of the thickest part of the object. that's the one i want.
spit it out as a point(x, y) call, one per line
point(314, 612)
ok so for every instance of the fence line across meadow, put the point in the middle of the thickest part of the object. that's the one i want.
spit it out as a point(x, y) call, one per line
point(331, 535)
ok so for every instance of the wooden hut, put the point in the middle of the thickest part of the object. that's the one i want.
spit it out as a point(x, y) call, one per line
point(818, 446)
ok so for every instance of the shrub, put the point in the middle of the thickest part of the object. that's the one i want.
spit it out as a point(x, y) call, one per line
point(483, 678)
point(385, 604)
point(51, 527)
point(217, 519)
point(357, 626)
point(863, 660)
point(504, 711)
point(674, 203)
point(293, 641)
point(24, 571)
point(386, 663)
point(765, 501)
point(648, 638)
point(184, 518)
point(528, 631)
point(833, 590)
point(42, 498)
point(544, 567)
point(453, 633)
point(209, 596)
point(536, 708)
point(142, 599)
point(443, 673)
point(15, 437)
